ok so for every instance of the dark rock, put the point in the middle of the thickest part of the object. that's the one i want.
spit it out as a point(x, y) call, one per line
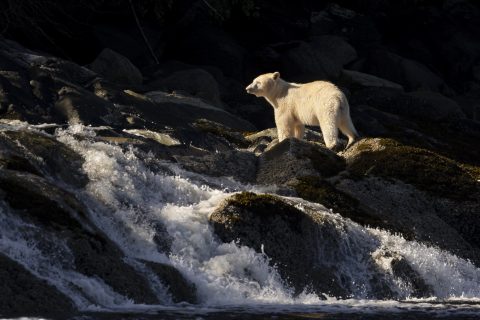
point(295, 158)
point(116, 68)
point(41, 155)
point(77, 105)
point(421, 105)
point(305, 63)
point(59, 211)
point(355, 79)
point(220, 130)
point(237, 164)
point(22, 294)
point(409, 73)
point(179, 288)
point(196, 82)
point(334, 47)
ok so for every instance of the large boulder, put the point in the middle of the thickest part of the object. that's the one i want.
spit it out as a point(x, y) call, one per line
point(264, 220)
point(116, 68)
point(292, 158)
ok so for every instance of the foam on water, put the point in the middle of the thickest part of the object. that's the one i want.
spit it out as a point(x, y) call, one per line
point(139, 206)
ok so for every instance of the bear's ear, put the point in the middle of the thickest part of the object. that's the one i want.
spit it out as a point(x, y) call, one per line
point(276, 75)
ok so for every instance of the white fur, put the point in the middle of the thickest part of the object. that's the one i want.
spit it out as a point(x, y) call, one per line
point(318, 103)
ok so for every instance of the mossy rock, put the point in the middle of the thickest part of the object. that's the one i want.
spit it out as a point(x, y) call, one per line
point(426, 170)
point(286, 234)
point(231, 135)
point(179, 288)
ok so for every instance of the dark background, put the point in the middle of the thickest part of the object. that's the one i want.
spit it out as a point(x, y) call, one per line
point(442, 35)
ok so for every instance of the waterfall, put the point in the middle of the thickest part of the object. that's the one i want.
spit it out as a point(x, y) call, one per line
point(155, 211)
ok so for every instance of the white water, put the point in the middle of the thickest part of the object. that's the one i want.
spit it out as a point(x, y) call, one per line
point(133, 203)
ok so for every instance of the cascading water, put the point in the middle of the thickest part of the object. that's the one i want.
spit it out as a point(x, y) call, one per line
point(141, 203)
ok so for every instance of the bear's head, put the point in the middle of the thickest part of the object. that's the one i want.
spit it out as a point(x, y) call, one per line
point(263, 85)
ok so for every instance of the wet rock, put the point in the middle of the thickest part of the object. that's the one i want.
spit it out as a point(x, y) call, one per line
point(77, 105)
point(196, 82)
point(266, 220)
point(60, 212)
point(22, 294)
point(116, 68)
point(41, 155)
point(179, 288)
point(295, 158)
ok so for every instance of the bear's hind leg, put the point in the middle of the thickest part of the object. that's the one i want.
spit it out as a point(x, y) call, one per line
point(346, 127)
point(330, 133)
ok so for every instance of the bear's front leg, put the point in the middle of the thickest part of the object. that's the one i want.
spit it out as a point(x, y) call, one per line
point(285, 126)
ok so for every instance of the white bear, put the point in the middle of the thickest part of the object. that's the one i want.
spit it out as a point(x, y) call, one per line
point(314, 103)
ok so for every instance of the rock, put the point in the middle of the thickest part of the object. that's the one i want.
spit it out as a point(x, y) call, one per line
point(308, 64)
point(360, 79)
point(321, 191)
point(196, 82)
point(220, 130)
point(305, 246)
point(412, 75)
point(266, 220)
point(237, 164)
point(334, 47)
point(399, 267)
point(179, 288)
point(162, 109)
point(424, 169)
point(76, 105)
point(436, 106)
point(116, 68)
point(421, 105)
point(59, 211)
point(22, 294)
point(295, 158)
point(41, 155)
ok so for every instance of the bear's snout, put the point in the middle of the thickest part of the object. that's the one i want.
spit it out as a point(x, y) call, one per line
point(249, 89)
